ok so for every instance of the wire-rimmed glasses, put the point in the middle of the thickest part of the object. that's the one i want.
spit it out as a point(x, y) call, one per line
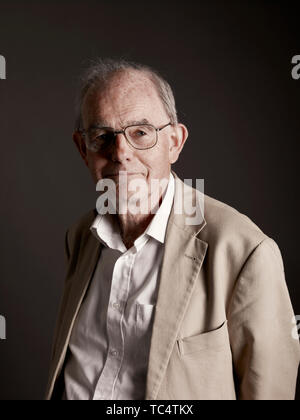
point(139, 136)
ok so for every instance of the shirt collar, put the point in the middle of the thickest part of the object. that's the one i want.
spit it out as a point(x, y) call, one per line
point(106, 228)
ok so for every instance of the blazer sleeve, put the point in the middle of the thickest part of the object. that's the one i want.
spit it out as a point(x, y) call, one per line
point(67, 259)
point(260, 321)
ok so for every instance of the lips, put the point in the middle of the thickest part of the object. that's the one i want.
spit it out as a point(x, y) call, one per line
point(127, 173)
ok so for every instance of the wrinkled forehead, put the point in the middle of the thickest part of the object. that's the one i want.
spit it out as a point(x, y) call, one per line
point(124, 97)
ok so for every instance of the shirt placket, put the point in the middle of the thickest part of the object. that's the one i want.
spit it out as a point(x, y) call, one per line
point(115, 325)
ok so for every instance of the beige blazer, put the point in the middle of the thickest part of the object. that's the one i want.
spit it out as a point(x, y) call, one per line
point(223, 320)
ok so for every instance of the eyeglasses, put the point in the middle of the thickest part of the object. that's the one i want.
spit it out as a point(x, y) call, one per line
point(142, 136)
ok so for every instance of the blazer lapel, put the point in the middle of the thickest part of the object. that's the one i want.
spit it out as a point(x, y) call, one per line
point(183, 258)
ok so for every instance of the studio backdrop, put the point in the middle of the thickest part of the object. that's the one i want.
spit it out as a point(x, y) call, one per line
point(234, 69)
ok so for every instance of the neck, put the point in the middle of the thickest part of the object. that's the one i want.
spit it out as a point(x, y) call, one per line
point(133, 226)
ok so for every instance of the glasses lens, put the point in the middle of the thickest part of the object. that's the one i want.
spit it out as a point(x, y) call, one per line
point(99, 139)
point(141, 136)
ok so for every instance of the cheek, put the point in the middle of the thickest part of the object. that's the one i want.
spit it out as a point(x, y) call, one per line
point(157, 162)
point(96, 164)
point(160, 155)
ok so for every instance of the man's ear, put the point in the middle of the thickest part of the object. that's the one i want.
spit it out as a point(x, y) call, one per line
point(80, 144)
point(178, 138)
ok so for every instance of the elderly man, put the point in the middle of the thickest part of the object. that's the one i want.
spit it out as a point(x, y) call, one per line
point(156, 307)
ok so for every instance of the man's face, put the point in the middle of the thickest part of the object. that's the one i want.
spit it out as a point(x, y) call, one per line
point(130, 98)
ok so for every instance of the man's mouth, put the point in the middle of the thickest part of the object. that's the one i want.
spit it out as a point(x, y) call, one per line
point(126, 173)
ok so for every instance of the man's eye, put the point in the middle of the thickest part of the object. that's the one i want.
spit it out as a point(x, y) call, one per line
point(140, 133)
point(104, 137)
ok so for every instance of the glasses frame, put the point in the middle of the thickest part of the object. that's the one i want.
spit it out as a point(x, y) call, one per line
point(85, 133)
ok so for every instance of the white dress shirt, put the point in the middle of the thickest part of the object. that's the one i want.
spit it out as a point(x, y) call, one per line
point(110, 341)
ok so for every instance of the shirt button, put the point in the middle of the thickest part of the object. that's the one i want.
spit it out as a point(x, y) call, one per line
point(116, 305)
point(114, 353)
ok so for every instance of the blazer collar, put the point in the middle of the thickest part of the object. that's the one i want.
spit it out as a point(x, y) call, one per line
point(188, 208)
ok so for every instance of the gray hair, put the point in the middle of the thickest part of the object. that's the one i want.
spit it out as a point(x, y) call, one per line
point(100, 72)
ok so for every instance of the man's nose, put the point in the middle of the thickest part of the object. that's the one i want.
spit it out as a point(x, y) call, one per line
point(120, 149)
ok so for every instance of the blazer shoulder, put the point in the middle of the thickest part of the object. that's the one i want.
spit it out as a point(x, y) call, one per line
point(227, 223)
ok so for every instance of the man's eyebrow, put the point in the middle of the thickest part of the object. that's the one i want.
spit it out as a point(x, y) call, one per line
point(140, 122)
point(104, 124)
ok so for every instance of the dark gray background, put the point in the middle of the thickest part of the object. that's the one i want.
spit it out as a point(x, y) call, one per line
point(230, 66)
